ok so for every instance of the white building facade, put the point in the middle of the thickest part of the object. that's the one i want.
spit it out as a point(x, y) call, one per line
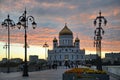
point(65, 49)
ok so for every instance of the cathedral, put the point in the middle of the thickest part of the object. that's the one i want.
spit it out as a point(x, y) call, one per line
point(66, 49)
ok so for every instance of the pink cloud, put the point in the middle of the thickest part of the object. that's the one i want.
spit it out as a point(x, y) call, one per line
point(58, 5)
point(116, 11)
point(41, 35)
point(59, 19)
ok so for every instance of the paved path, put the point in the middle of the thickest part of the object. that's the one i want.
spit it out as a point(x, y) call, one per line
point(38, 75)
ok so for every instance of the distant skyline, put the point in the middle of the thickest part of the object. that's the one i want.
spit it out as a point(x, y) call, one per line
point(51, 16)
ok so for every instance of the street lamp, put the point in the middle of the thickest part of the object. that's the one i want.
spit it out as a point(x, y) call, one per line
point(98, 37)
point(23, 22)
point(45, 46)
point(5, 47)
point(8, 23)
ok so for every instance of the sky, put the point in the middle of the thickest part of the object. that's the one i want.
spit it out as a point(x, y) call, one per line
point(51, 16)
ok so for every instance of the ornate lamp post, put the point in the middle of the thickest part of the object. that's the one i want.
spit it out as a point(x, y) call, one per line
point(23, 22)
point(8, 23)
point(98, 37)
point(45, 46)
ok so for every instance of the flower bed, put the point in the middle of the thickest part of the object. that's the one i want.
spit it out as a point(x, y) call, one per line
point(85, 74)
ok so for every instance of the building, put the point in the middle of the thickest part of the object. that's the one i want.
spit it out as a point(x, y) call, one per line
point(66, 49)
point(33, 58)
point(4, 60)
point(112, 57)
point(90, 56)
point(16, 60)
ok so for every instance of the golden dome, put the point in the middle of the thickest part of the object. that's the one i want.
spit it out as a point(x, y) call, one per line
point(77, 39)
point(55, 40)
point(65, 31)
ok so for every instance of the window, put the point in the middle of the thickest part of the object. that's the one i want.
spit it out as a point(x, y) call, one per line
point(81, 56)
point(66, 50)
point(55, 57)
point(60, 56)
point(66, 57)
point(72, 50)
point(72, 56)
point(77, 56)
point(76, 50)
point(50, 57)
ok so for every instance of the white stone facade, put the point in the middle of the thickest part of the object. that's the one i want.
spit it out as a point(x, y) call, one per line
point(66, 50)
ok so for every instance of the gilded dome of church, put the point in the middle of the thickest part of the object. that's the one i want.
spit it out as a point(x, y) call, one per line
point(65, 31)
point(55, 40)
point(77, 39)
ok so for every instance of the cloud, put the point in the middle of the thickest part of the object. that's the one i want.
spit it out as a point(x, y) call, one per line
point(51, 15)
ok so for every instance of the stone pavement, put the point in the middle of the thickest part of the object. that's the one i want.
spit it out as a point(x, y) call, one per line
point(38, 75)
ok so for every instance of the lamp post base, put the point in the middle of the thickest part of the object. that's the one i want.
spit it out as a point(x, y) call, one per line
point(8, 71)
point(25, 71)
point(99, 63)
point(8, 67)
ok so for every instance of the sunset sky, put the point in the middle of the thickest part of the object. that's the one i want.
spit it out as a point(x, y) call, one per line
point(51, 16)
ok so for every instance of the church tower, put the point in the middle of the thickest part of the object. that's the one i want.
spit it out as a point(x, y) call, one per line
point(77, 43)
point(55, 43)
point(65, 37)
